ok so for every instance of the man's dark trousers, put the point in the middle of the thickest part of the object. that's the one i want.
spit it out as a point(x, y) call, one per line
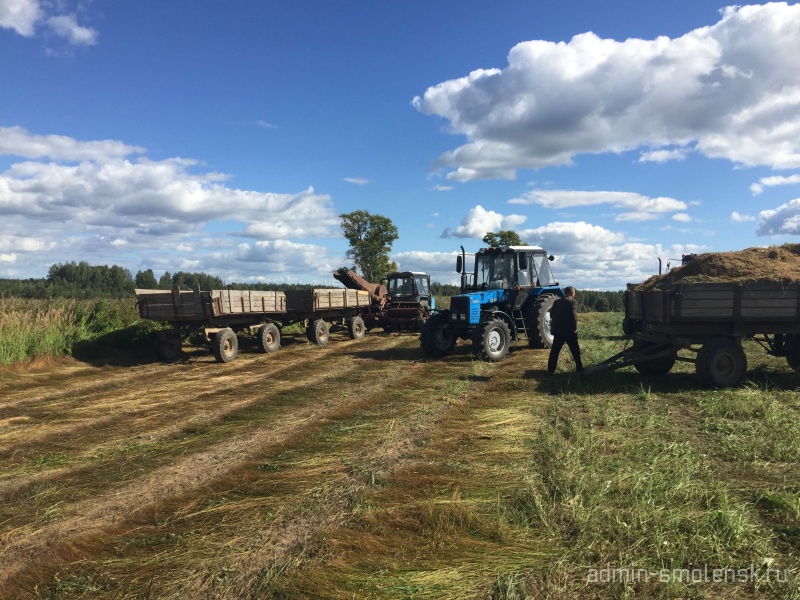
point(558, 343)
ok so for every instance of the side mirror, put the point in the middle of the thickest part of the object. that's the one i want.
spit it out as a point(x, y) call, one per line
point(551, 257)
point(459, 263)
point(523, 261)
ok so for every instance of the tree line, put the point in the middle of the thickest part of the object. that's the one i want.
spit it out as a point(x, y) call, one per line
point(82, 280)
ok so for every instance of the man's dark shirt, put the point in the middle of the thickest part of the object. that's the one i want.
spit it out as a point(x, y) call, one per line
point(564, 317)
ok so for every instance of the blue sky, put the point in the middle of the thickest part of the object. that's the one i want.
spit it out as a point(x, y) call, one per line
point(228, 137)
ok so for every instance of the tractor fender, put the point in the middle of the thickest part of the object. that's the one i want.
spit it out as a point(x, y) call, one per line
point(488, 315)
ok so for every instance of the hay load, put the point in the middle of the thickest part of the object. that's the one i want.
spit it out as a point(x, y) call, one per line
point(779, 264)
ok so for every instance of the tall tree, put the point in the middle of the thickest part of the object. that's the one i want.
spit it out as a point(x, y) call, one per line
point(370, 237)
point(146, 280)
point(504, 237)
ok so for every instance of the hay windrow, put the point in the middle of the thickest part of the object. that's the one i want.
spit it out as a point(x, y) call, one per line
point(774, 264)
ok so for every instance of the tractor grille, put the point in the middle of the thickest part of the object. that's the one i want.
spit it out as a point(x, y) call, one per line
point(459, 309)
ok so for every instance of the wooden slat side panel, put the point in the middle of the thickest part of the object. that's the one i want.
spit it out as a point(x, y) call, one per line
point(237, 302)
point(164, 305)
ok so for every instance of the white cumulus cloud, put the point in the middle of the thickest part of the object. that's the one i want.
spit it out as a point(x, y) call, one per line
point(783, 220)
point(479, 221)
point(738, 217)
point(20, 15)
point(96, 198)
point(730, 90)
point(23, 16)
point(632, 206)
point(775, 180)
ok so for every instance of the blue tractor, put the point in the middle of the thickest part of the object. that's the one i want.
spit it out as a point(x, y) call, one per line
point(507, 297)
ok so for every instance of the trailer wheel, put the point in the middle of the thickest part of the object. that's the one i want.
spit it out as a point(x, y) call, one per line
point(356, 328)
point(491, 340)
point(269, 337)
point(657, 366)
point(631, 326)
point(318, 332)
point(436, 338)
point(225, 345)
point(721, 363)
point(537, 321)
point(168, 345)
point(792, 349)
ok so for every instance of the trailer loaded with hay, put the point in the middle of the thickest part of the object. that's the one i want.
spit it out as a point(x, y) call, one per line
point(220, 314)
point(705, 309)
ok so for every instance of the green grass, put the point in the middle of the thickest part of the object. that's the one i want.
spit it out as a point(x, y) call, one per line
point(38, 328)
point(462, 479)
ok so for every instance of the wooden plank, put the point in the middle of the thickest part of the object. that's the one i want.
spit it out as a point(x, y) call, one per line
point(770, 312)
point(708, 313)
point(698, 304)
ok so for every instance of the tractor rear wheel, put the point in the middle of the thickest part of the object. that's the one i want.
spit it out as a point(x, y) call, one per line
point(225, 345)
point(491, 340)
point(721, 363)
point(318, 332)
point(537, 321)
point(269, 337)
point(436, 338)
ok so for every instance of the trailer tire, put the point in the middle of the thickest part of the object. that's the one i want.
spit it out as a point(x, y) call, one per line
point(168, 345)
point(269, 337)
point(657, 366)
point(631, 326)
point(792, 349)
point(491, 340)
point(436, 340)
point(318, 332)
point(537, 321)
point(721, 363)
point(225, 345)
point(356, 328)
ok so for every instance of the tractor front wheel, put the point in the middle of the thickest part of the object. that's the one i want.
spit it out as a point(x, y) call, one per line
point(436, 338)
point(491, 340)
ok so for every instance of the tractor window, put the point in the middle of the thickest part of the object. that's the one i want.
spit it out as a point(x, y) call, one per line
point(543, 273)
point(494, 271)
point(422, 285)
point(401, 286)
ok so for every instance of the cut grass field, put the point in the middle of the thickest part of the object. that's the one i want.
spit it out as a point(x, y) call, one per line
point(363, 470)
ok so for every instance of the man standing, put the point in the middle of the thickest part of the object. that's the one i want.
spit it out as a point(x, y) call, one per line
point(564, 327)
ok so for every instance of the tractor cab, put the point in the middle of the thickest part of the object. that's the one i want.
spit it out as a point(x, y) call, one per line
point(409, 285)
point(409, 302)
point(508, 268)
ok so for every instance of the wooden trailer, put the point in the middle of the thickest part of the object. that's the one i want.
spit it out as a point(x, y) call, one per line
point(709, 320)
point(220, 314)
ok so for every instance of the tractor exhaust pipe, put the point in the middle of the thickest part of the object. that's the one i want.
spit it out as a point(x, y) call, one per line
point(463, 270)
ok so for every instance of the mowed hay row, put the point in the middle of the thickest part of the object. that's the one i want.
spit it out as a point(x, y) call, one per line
point(156, 402)
point(320, 401)
point(273, 514)
point(154, 433)
point(441, 524)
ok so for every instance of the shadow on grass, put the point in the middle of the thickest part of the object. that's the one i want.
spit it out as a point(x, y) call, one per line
point(619, 382)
